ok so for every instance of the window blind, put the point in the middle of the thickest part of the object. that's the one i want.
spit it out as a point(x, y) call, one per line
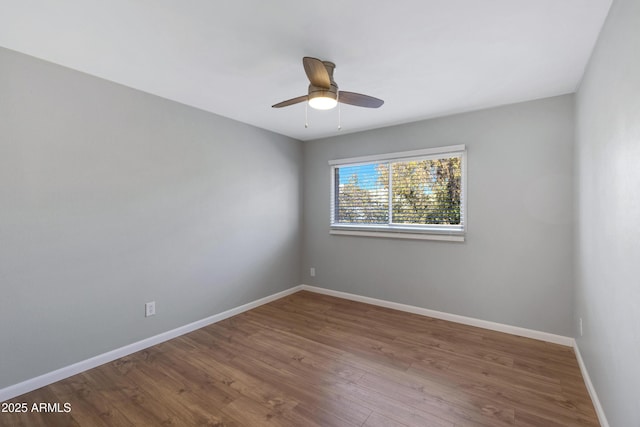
point(418, 191)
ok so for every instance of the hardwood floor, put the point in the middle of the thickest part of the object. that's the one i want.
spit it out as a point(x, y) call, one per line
point(314, 360)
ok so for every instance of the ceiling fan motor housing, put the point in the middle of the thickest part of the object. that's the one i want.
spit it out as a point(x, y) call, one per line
point(320, 92)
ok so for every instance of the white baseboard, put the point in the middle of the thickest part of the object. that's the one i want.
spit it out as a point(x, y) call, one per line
point(592, 391)
point(500, 327)
point(62, 373)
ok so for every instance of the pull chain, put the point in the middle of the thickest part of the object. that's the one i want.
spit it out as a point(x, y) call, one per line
point(339, 121)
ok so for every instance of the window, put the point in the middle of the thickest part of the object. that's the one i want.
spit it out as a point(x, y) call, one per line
point(415, 194)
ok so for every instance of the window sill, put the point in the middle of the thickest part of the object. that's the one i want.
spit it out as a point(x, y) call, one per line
point(397, 234)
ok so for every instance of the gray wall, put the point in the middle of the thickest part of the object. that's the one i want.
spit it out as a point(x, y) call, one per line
point(516, 265)
point(110, 198)
point(608, 236)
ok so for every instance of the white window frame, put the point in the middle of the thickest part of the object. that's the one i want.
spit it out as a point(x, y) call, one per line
point(455, 233)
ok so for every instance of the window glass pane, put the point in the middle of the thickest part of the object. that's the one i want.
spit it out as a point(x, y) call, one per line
point(362, 194)
point(426, 192)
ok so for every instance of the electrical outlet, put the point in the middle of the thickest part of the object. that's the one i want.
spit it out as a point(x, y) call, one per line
point(150, 309)
point(312, 272)
point(580, 323)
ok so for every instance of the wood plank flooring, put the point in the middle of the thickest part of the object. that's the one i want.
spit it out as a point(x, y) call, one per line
point(314, 360)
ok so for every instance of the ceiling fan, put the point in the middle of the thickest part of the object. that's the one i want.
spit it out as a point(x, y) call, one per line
point(323, 90)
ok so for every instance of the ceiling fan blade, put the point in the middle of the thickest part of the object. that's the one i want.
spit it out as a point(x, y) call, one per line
point(290, 102)
point(316, 72)
point(359, 99)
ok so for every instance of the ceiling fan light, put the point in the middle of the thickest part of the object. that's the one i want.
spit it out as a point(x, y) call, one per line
point(323, 101)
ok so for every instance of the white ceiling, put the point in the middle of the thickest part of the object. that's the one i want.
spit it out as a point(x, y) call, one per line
point(425, 58)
